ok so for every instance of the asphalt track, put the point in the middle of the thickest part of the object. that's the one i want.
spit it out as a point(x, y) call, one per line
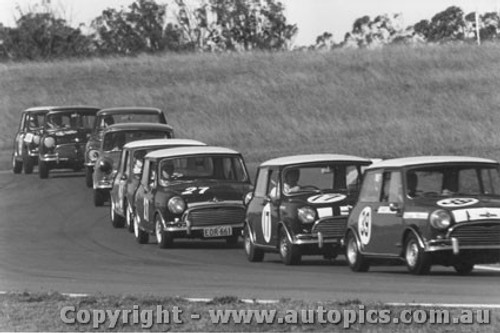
point(52, 238)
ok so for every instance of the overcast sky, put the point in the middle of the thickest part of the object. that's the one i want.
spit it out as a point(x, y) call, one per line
point(313, 17)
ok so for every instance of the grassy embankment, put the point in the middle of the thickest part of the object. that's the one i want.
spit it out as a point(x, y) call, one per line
point(383, 103)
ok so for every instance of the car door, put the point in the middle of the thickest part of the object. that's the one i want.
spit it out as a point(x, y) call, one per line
point(121, 178)
point(149, 195)
point(256, 205)
point(139, 194)
point(18, 143)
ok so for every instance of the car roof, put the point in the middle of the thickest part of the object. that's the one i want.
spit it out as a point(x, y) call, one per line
point(422, 160)
point(137, 126)
point(313, 158)
point(129, 109)
point(79, 108)
point(162, 142)
point(60, 108)
point(38, 109)
point(185, 151)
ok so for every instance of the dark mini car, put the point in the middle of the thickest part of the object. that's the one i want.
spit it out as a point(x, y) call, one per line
point(128, 176)
point(25, 150)
point(424, 211)
point(191, 192)
point(65, 133)
point(108, 155)
point(111, 116)
point(300, 205)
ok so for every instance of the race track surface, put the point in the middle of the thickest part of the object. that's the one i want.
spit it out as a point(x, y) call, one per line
point(52, 238)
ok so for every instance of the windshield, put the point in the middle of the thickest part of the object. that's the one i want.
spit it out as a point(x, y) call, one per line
point(70, 120)
point(104, 121)
point(35, 121)
point(325, 177)
point(453, 180)
point(114, 141)
point(227, 167)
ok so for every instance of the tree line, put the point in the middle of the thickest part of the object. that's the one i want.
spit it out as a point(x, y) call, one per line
point(217, 26)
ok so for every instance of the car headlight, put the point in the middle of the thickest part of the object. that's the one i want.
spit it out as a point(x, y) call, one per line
point(49, 142)
point(36, 139)
point(306, 214)
point(176, 205)
point(93, 155)
point(440, 219)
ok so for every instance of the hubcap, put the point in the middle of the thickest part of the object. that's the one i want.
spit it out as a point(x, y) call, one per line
point(112, 211)
point(284, 246)
point(136, 227)
point(412, 254)
point(128, 217)
point(158, 231)
point(352, 251)
point(247, 243)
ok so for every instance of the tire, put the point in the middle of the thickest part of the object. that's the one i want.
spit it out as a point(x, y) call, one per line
point(417, 261)
point(117, 221)
point(43, 169)
point(164, 238)
point(141, 236)
point(357, 262)
point(289, 253)
point(99, 198)
point(88, 177)
point(28, 162)
point(129, 218)
point(17, 166)
point(253, 254)
point(464, 268)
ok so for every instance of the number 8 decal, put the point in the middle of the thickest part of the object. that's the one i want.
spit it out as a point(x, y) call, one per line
point(266, 222)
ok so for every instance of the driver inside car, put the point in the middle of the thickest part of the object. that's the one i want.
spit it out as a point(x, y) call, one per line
point(291, 185)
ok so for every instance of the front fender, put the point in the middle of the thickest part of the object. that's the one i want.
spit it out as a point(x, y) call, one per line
point(282, 225)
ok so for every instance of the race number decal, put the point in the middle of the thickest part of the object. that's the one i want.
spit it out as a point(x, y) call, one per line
point(457, 202)
point(266, 222)
point(146, 209)
point(326, 198)
point(365, 225)
point(192, 190)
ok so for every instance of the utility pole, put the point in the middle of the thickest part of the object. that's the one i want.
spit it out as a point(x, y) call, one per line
point(478, 37)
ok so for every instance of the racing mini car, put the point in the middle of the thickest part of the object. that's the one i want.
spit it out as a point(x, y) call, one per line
point(300, 206)
point(191, 192)
point(111, 116)
point(108, 154)
point(424, 211)
point(129, 172)
point(65, 133)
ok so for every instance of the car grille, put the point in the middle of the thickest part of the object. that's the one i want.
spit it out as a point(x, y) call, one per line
point(477, 234)
point(61, 140)
point(216, 216)
point(330, 227)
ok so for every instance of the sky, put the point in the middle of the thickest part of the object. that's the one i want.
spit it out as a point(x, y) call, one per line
point(313, 17)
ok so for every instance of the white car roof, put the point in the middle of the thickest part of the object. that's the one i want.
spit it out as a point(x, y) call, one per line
point(421, 160)
point(185, 151)
point(162, 142)
point(312, 158)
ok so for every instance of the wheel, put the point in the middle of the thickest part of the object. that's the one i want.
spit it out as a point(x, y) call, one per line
point(17, 166)
point(289, 253)
point(164, 238)
point(129, 218)
point(116, 220)
point(28, 162)
point(88, 177)
point(417, 261)
point(99, 198)
point(141, 236)
point(232, 240)
point(43, 169)
point(355, 259)
point(253, 254)
point(464, 268)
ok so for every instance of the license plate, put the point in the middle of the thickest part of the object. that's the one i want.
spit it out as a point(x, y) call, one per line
point(217, 231)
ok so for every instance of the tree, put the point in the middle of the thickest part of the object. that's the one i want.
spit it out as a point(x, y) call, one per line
point(447, 25)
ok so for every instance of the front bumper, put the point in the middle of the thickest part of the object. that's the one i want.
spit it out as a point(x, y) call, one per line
point(63, 153)
point(327, 230)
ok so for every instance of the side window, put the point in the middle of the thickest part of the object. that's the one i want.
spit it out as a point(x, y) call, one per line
point(392, 189)
point(23, 124)
point(125, 165)
point(152, 174)
point(272, 186)
point(145, 174)
point(372, 183)
point(261, 186)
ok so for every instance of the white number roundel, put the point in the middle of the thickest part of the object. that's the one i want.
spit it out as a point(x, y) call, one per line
point(266, 222)
point(326, 198)
point(457, 202)
point(365, 225)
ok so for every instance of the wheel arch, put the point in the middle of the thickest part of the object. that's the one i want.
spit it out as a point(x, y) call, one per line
point(408, 231)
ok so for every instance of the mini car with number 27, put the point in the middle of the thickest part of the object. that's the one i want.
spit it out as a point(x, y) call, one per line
point(424, 211)
point(191, 192)
point(300, 206)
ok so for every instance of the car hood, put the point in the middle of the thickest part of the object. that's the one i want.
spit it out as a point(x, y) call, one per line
point(208, 190)
point(333, 203)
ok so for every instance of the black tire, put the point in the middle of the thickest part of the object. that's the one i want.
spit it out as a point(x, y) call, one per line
point(28, 162)
point(17, 166)
point(164, 238)
point(464, 268)
point(43, 170)
point(88, 177)
point(117, 221)
point(253, 254)
point(99, 198)
point(289, 253)
point(141, 236)
point(417, 260)
point(357, 262)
